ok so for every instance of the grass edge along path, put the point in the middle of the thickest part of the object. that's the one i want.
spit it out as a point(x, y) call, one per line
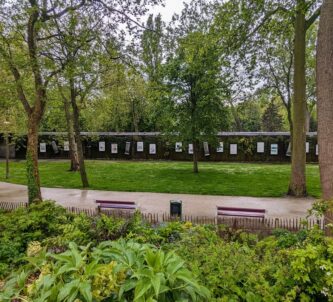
point(215, 178)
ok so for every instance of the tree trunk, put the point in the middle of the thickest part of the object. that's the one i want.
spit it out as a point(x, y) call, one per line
point(7, 154)
point(325, 98)
point(290, 121)
point(297, 186)
point(195, 156)
point(291, 128)
point(307, 120)
point(75, 166)
point(76, 115)
point(34, 193)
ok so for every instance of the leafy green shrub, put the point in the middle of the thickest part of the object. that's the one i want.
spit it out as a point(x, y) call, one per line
point(78, 229)
point(310, 273)
point(109, 227)
point(118, 271)
point(143, 265)
point(153, 274)
point(287, 239)
point(229, 269)
point(270, 270)
point(158, 235)
point(35, 223)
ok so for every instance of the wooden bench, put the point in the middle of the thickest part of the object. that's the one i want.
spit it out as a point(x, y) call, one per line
point(240, 212)
point(115, 205)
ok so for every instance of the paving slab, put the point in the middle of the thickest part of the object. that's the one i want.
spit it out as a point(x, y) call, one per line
point(159, 203)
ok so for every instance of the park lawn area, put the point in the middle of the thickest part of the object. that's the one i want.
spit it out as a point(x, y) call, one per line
point(233, 179)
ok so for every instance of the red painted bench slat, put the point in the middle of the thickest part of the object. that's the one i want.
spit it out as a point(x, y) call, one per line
point(120, 205)
point(241, 212)
point(117, 206)
point(115, 202)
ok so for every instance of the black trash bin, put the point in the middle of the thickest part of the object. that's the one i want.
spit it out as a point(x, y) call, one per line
point(176, 208)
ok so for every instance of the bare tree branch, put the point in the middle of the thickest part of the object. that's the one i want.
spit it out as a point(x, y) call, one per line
point(313, 18)
point(46, 16)
point(111, 9)
point(17, 77)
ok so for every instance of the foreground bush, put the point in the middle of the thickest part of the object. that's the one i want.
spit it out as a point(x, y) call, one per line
point(55, 228)
point(248, 269)
point(130, 260)
point(113, 271)
point(18, 228)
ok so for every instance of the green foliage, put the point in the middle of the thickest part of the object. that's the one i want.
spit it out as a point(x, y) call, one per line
point(247, 145)
point(284, 268)
point(168, 262)
point(118, 271)
point(77, 228)
point(18, 228)
point(55, 229)
point(152, 50)
point(287, 239)
point(194, 107)
point(272, 120)
point(320, 207)
point(250, 115)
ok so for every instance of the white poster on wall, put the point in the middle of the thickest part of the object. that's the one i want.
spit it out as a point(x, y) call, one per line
point(179, 147)
point(101, 146)
point(220, 148)
point(260, 147)
point(55, 147)
point(233, 149)
point(317, 151)
point(42, 147)
point(127, 148)
point(114, 148)
point(152, 148)
point(66, 146)
point(288, 153)
point(139, 146)
point(190, 148)
point(307, 147)
point(274, 149)
point(206, 148)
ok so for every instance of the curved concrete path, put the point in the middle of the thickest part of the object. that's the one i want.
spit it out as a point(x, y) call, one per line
point(196, 205)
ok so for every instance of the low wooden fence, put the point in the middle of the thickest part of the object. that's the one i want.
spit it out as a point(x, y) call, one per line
point(11, 206)
point(328, 223)
point(255, 225)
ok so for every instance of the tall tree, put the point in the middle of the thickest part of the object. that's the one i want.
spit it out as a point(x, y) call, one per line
point(272, 119)
point(73, 150)
point(250, 115)
point(195, 107)
point(25, 34)
point(248, 21)
point(79, 45)
point(297, 185)
point(152, 50)
point(276, 63)
point(152, 58)
point(12, 120)
point(325, 98)
point(27, 39)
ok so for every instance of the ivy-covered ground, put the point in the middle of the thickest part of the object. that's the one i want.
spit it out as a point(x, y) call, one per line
point(232, 179)
point(47, 254)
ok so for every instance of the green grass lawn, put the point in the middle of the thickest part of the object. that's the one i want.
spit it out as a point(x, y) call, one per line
point(238, 179)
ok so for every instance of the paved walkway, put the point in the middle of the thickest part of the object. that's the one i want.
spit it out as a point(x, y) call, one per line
point(197, 205)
